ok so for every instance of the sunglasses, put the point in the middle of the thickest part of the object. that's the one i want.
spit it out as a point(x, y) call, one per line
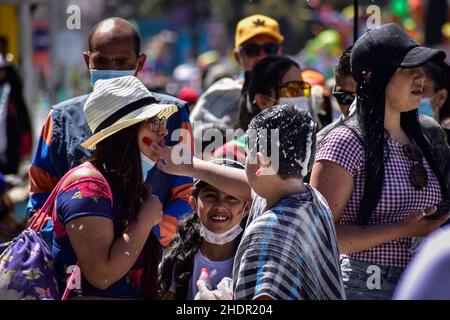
point(294, 89)
point(418, 175)
point(343, 97)
point(252, 49)
point(156, 123)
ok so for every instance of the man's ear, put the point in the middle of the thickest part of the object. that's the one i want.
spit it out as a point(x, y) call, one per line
point(86, 59)
point(141, 62)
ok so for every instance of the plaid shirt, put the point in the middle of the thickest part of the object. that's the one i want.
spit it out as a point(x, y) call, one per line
point(398, 199)
point(289, 252)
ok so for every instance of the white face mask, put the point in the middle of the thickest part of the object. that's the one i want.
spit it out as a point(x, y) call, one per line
point(109, 74)
point(220, 238)
point(300, 102)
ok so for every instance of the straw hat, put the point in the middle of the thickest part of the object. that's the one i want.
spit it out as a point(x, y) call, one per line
point(119, 103)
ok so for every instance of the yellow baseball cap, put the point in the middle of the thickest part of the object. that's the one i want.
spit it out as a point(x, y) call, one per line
point(254, 25)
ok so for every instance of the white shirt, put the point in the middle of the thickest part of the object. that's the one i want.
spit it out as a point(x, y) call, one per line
point(217, 271)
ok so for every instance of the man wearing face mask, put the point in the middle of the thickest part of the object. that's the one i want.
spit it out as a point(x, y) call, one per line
point(114, 51)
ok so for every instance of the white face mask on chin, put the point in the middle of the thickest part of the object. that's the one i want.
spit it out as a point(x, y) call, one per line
point(220, 238)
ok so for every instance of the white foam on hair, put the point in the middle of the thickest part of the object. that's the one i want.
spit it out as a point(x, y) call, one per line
point(308, 150)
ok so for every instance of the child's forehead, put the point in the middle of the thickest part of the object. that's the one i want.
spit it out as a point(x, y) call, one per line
point(208, 187)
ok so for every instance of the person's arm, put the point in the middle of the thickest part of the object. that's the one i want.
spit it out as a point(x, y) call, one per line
point(42, 175)
point(230, 180)
point(103, 258)
point(336, 184)
point(177, 206)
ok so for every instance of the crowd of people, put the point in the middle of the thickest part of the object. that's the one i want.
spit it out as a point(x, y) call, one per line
point(256, 191)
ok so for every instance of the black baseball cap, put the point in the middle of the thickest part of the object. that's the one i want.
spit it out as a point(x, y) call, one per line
point(223, 162)
point(389, 46)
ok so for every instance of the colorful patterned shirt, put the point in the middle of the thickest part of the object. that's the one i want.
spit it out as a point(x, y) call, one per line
point(289, 252)
point(398, 199)
point(87, 197)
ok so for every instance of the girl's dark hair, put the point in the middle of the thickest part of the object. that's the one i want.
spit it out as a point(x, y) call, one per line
point(265, 77)
point(370, 114)
point(439, 72)
point(178, 260)
point(118, 160)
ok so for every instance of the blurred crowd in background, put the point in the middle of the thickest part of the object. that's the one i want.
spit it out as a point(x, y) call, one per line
point(189, 46)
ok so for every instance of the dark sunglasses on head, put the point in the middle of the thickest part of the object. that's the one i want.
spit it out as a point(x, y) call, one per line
point(252, 49)
point(418, 175)
point(343, 97)
point(294, 89)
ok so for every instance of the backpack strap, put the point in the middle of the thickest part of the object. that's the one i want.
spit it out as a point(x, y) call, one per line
point(48, 205)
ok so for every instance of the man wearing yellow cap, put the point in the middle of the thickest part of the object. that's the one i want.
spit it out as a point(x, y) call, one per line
point(257, 36)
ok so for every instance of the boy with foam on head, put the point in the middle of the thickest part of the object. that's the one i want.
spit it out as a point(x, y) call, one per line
point(289, 249)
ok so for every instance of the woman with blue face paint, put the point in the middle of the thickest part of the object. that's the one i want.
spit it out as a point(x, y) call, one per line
point(104, 212)
point(435, 100)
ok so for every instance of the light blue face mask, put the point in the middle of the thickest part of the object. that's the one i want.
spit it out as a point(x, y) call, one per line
point(109, 74)
point(425, 107)
point(147, 165)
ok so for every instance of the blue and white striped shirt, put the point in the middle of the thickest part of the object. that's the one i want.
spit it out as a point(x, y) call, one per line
point(289, 252)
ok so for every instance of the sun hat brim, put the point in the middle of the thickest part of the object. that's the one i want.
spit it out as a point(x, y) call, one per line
point(132, 118)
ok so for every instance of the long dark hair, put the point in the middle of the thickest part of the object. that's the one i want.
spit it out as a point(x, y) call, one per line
point(178, 260)
point(266, 76)
point(118, 160)
point(370, 114)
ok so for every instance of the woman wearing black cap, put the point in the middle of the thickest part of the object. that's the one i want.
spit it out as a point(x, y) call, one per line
point(378, 172)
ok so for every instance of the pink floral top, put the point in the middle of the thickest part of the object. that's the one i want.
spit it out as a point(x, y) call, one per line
point(85, 197)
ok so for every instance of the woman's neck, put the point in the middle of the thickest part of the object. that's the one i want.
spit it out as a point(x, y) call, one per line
point(218, 252)
point(393, 126)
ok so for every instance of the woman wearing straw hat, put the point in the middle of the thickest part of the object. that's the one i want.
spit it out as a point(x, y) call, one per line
point(104, 212)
